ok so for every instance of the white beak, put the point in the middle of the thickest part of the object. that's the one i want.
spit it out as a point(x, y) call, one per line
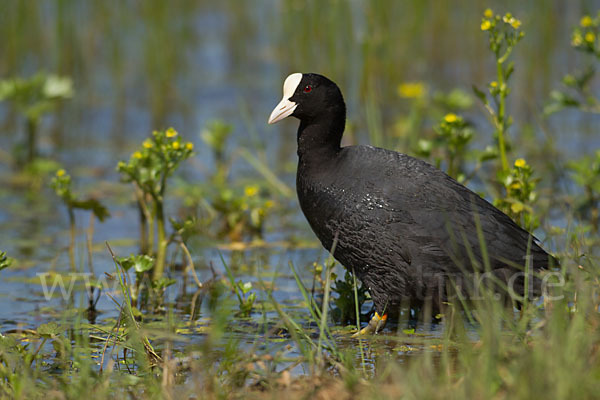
point(285, 108)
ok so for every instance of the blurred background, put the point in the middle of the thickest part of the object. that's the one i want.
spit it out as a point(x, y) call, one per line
point(139, 66)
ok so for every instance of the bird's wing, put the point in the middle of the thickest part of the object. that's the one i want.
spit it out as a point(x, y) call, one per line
point(445, 221)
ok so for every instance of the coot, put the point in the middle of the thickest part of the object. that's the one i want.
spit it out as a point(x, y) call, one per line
point(405, 228)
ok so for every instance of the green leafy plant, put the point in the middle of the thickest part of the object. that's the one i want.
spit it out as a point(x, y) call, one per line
point(62, 185)
point(577, 90)
point(5, 261)
point(345, 302)
point(139, 263)
point(148, 169)
point(144, 353)
point(517, 182)
point(425, 107)
point(520, 194)
point(183, 229)
point(503, 34)
point(246, 299)
point(240, 211)
point(577, 93)
point(142, 264)
point(450, 145)
point(586, 173)
point(234, 210)
point(32, 98)
point(241, 290)
point(215, 135)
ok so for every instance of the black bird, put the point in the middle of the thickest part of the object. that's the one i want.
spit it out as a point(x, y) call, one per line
point(404, 227)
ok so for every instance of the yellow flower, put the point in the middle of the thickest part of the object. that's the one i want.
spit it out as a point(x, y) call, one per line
point(517, 207)
point(515, 185)
point(494, 84)
point(171, 133)
point(520, 163)
point(269, 204)
point(189, 146)
point(515, 23)
point(586, 21)
point(488, 13)
point(148, 144)
point(411, 90)
point(577, 39)
point(485, 25)
point(590, 37)
point(137, 155)
point(250, 191)
point(176, 145)
point(61, 172)
point(451, 117)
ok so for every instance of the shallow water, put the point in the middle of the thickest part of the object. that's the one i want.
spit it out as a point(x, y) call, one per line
point(143, 66)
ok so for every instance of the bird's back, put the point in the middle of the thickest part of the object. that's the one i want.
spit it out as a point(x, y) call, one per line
point(401, 223)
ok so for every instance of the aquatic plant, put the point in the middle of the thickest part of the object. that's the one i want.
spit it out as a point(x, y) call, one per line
point(586, 173)
point(215, 135)
point(5, 261)
point(518, 183)
point(231, 209)
point(577, 92)
point(350, 298)
point(503, 33)
point(240, 211)
point(32, 98)
point(427, 106)
point(453, 135)
point(61, 183)
point(148, 169)
point(142, 264)
point(242, 292)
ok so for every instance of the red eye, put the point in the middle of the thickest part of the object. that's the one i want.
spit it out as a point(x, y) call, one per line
point(307, 89)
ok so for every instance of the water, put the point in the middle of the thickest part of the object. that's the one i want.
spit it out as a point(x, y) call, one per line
point(143, 66)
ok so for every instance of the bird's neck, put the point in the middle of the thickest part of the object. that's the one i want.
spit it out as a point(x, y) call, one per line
point(321, 136)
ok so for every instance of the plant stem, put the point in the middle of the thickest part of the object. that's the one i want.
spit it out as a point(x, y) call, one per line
point(161, 252)
point(500, 119)
point(37, 351)
point(190, 263)
point(146, 223)
point(324, 309)
point(452, 167)
point(357, 313)
point(32, 124)
point(151, 230)
point(162, 240)
point(143, 231)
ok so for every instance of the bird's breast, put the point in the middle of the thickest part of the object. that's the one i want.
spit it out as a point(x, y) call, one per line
point(348, 213)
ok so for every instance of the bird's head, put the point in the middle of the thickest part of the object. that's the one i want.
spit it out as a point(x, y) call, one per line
point(308, 97)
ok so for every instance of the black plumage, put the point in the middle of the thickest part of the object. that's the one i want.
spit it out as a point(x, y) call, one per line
point(405, 227)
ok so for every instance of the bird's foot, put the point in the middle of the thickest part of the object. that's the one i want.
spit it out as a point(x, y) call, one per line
point(376, 324)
